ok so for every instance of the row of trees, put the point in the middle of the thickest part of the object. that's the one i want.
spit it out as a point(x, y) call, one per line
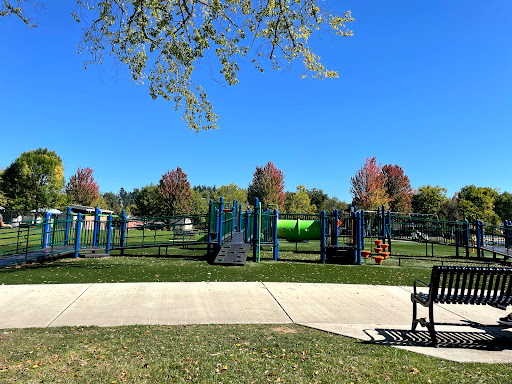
point(374, 185)
point(35, 181)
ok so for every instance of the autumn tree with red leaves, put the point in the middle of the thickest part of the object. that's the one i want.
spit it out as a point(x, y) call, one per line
point(267, 185)
point(82, 189)
point(398, 188)
point(175, 193)
point(368, 186)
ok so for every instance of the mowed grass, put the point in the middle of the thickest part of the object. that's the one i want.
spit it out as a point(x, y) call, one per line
point(220, 354)
point(175, 269)
point(217, 353)
point(177, 264)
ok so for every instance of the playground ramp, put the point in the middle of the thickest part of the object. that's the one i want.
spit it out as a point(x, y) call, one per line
point(233, 252)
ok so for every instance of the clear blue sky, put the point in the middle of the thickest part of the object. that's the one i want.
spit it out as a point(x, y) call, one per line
point(425, 85)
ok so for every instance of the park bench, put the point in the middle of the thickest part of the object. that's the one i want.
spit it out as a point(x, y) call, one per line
point(461, 285)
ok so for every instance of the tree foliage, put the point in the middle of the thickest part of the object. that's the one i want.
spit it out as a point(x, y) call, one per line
point(299, 202)
point(398, 188)
point(428, 199)
point(34, 180)
point(109, 201)
point(478, 203)
point(230, 193)
point(198, 203)
point(16, 8)
point(317, 197)
point(367, 186)
point(82, 189)
point(267, 185)
point(503, 206)
point(147, 202)
point(164, 41)
point(175, 193)
point(332, 203)
point(449, 209)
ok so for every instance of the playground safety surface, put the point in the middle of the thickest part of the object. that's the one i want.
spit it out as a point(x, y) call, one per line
point(372, 314)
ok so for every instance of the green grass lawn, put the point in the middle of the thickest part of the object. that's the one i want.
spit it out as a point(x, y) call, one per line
point(189, 264)
point(220, 354)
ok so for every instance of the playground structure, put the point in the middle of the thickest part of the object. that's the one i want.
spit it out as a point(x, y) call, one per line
point(228, 234)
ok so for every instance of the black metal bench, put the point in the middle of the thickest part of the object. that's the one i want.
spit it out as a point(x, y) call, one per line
point(461, 285)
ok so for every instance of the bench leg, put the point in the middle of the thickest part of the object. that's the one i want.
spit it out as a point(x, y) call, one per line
point(414, 316)
point(431, 325)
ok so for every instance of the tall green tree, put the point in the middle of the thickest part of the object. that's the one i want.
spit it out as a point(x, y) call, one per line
point(3, 198)
point(449, 209)
point(267, 185)
point(109, 201)
point(478, 203)
point(299, 201)
point(331, 204)
point(199, 203)
point(367, 186)
point(163, 42)
point(175, 193)
point(317, 197)
point(503, 206)
point(232, 192)
point(428, 199)
point(35, 180)
point(147, 202)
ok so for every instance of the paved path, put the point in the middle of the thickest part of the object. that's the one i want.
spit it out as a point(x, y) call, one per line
point(378, 314)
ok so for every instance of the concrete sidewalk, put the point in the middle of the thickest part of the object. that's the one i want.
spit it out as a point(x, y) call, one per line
point(377, 314)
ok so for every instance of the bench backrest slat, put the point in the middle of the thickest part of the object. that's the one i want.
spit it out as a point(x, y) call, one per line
point(463, 285)
point(471, 285)
point(456, 292)
point(481, 289)
point(493, 278)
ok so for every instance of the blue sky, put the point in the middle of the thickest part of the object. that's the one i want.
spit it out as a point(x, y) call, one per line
point(425, 85)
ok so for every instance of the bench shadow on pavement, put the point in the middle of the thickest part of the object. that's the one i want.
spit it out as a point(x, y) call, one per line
point(489, 340)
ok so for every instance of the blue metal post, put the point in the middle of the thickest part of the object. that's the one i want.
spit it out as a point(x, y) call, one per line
point(359, 237)
point(122, 241)
point(246, 225)
point(77, 234)
point(68, 218)
point(46, 229)
point(276, 240)
point(362, 229)
point(322, 237)
point(96, 230)
point(109, 233)
point(255, 231)
point(240, 217)
point(210, 213)
point(221, 215)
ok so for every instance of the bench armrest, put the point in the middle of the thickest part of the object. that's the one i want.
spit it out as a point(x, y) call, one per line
point(419, 281)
